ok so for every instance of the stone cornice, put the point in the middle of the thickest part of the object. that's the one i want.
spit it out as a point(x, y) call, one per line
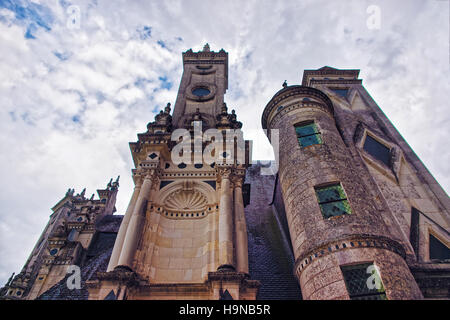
point(347, 243)
point(346, 81)
point(329, 71)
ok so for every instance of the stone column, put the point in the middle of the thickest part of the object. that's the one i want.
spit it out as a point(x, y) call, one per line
point(123, 229)
point(240, 229)
point(226, 222)
point(135, 225)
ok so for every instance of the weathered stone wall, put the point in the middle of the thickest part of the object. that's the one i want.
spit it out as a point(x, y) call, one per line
point(178, 251)
point(323, 279)
point(303, 168)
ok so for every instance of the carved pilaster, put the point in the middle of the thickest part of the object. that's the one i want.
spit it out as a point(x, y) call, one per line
point(240, 225)
point(225, 218)
point(137, 220)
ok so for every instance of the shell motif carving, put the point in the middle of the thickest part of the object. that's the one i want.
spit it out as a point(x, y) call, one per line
point(186, 200)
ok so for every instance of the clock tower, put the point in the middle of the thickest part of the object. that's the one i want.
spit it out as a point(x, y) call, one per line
point(184, 233)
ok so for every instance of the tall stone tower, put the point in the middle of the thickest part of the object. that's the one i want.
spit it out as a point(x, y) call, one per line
point(358, 201)
point(71, 229)
point(184, 234)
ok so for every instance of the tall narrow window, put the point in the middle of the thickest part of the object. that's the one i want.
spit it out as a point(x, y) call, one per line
point(332, 200)
point(358, 284)
point(438, 250)
point(414, 230)
point(377, 150)
point(308, 134)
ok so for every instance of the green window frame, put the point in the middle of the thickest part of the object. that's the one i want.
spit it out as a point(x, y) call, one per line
point(332, 200)
point(308, 134)
point(357, 279)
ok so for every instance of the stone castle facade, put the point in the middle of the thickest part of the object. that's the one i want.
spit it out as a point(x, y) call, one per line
point(351, 212)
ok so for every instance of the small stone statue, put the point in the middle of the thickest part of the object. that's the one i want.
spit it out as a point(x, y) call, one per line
point(167, 108)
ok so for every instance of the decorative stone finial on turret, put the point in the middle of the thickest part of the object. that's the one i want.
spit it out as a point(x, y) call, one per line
point(227, 120)
point(10, 278)
point(162, 119)
point(109, 183)
point(167, 108)
point(285, 84)
point(233, 115)
point(224, 108)
point(206, 48)
point(83, 193)
point(92, 197)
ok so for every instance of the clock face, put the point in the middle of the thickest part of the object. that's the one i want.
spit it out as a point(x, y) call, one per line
point(201, 92)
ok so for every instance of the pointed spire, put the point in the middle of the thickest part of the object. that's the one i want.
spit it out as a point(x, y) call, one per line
point(285, 84)
point(10, 279)
point(83, 193)
point(109, 183)
point(117, 180)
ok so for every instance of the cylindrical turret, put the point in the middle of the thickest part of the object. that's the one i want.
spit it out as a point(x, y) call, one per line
point(338, 230)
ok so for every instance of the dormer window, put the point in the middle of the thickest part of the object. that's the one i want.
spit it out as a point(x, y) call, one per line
point(341, 92)
point(377, 150)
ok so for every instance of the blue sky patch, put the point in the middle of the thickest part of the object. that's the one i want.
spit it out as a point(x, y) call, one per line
point(62, 55)
point(32, 15)
point(166, 84)
point(145, 32)
point(161, 43)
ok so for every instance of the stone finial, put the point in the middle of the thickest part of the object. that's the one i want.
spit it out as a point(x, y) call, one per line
point(206, 48)
point(167, 108)
point(117, 180)
point(109, 183)
point(285, 84)
point(224, 108)
point(10, 278)
point(233, 115)
point(83, 193)
point(92, 197)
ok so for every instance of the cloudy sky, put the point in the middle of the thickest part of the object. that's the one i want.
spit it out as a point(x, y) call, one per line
point(79, 80)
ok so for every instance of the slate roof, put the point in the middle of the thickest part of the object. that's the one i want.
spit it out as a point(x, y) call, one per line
point(271, 259)
point(96, 259)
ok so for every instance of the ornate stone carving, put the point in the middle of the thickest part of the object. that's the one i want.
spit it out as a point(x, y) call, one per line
point(226, 120)
point(186, 201)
